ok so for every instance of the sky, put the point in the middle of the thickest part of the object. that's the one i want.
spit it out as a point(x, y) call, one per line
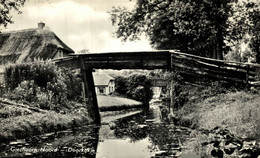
point(81, 24)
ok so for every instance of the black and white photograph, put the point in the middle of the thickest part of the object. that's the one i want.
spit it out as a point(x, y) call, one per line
point(130, 78)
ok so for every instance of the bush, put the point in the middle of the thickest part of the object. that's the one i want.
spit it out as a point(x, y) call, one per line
point(41, 73)
point(185, 93)
point(73, 81)
point(42, 83)
point(120, 85)
point(136, 86)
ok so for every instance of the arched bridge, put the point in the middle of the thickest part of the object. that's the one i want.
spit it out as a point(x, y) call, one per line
point(191, 67)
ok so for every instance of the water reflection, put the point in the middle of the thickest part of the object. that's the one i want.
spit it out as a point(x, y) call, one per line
point(163, 139)
point(132, 137)
point(118, 148)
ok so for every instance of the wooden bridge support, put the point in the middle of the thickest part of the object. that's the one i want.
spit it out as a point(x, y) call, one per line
point(171, 107)
point(90, 93)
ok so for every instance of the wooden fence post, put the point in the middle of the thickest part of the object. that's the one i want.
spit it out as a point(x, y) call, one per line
point(247, 77)
point(90, 93)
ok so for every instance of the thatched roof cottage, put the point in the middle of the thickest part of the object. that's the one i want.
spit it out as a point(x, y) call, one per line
point(30, 44)
point(104, 83)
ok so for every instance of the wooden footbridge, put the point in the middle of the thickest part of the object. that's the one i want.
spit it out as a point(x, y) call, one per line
point(191, 67)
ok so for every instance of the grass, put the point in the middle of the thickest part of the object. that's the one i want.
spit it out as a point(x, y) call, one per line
point(113, 103)
point(238, 111)
point(18, 122)
point(7, 111)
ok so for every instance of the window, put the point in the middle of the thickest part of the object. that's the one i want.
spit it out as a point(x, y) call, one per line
point(101, 90)
point(60, 53)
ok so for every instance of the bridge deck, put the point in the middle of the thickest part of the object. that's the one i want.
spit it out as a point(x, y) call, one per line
point(127, 60)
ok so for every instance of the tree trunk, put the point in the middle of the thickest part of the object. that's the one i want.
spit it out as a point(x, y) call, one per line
point(219, 35)
point(219, 48)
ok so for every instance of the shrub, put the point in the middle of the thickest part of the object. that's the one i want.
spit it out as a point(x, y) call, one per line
point(43, 83)
point(136, 86)
point(120, 85)
point(73, 81)
point(41, 73)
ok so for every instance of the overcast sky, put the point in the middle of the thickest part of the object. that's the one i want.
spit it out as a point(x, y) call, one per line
point(81, 24)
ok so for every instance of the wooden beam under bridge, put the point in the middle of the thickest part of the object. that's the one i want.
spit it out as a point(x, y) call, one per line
point(90, 93)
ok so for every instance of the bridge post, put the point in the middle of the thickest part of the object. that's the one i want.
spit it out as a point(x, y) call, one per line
point(171, 86)
point(90, 93)
point(171, 96)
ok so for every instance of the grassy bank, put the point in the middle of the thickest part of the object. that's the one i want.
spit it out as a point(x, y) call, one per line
point(223, 120)
point(113, 103)
point(236, 111)
point(17, 121)
point(209, 107)
point(239, 112)
point(21, 120)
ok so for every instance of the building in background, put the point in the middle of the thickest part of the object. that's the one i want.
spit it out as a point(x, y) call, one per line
point(104, 84)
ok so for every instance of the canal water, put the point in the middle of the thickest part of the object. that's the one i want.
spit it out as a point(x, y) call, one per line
point(132, 137)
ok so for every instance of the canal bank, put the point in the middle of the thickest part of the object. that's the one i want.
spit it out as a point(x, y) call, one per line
point(21, 120)
point(225, 124)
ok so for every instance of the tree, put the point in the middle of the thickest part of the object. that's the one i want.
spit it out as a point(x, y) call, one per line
point(196, 27)
point(5, 7)
point(245, 25)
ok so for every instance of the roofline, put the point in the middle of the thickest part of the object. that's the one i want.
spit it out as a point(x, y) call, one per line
point(152, 51)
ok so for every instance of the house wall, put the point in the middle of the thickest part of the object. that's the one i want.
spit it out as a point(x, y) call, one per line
point(107, 89)
point(60, 54)
point(111, 86)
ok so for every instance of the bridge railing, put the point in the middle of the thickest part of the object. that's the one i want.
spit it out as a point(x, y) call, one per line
point(203, 69)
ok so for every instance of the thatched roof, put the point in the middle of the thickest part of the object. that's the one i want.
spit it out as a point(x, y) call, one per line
point(102, 79)
point(18, 46)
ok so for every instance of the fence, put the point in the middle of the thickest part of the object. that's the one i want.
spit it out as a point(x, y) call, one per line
point(194, 67)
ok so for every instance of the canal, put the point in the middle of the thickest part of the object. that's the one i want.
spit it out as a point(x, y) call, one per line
point(135, 136)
